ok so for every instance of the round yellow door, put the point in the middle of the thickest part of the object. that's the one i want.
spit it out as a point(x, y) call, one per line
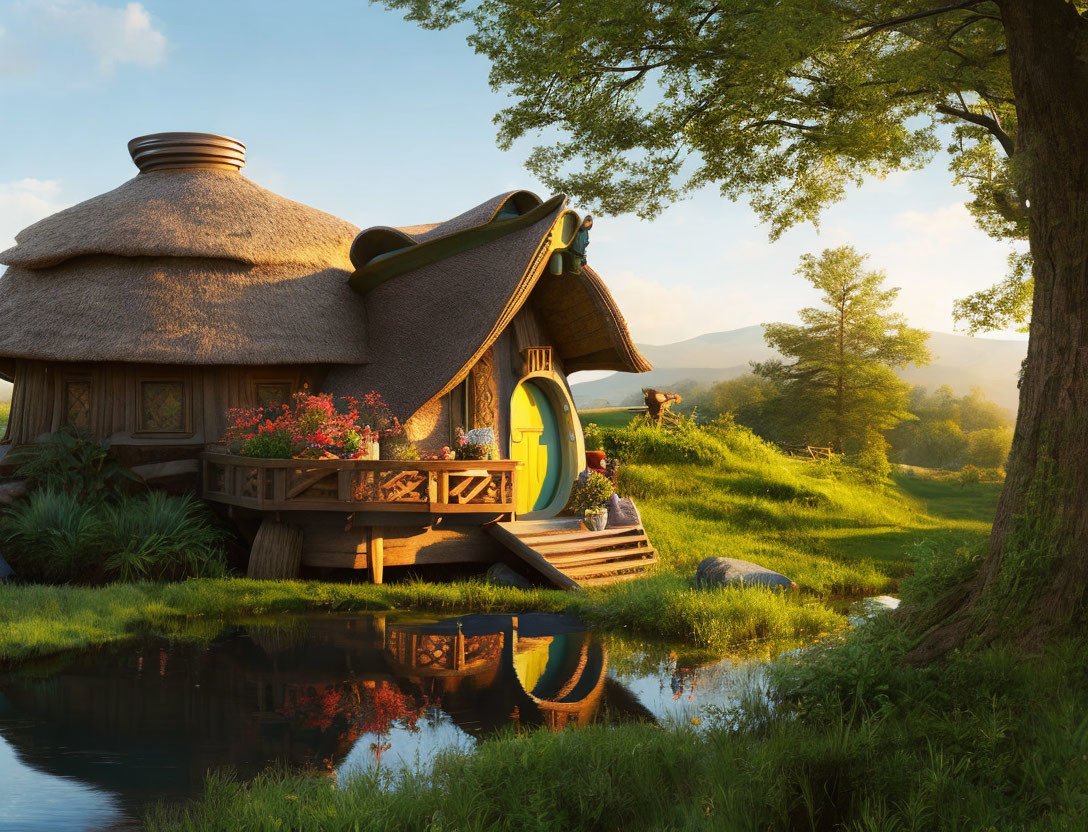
point(534, 442)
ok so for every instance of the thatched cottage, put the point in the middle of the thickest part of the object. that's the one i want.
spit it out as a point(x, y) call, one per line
point(145, 313)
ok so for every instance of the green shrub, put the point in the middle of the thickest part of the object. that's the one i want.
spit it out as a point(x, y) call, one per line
point(940, 567)
point(276, 445)
point(51, 537)
point(594, 437)
point(72, 461)
point(870, 460)
point(398, 447)
point(970, 475)
point(591, 491)
point(159, 537)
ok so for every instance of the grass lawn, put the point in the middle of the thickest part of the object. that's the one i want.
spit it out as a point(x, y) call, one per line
point(833, 535)
point(607, 417)
point(5, 412)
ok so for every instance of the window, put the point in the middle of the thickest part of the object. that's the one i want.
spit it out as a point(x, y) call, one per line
point(273, 392)
point(162, 406)
point(461, 408)
point(76, 402)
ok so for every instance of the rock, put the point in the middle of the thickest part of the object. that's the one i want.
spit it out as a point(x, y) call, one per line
point(733, 572)
point(11, 491)
point(503, 575)
point(622, 512)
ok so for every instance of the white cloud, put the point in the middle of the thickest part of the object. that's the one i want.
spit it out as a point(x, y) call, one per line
point(24, 202)
point(660, 313)
point(78, 38)
point(113, 35)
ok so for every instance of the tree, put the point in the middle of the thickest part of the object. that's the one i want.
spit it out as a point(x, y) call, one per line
point(840, 383)
point(792, 100)
point(948, 431)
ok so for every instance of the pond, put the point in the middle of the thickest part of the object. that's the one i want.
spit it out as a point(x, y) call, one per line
point(88, 740)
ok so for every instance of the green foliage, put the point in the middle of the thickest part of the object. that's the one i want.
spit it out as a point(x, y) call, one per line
point(159, 537)
point(940, 567)
point(871, 458)
point(1005, 305)
point(840, 384)
point(591, 491)
point(989, 448)
point(5, 415)
point(275, 445)
point(790, 103)
point(52, 536)
point(72, 461)
point(593, 438)
point(398, 447)
point(949, 432)
point(749, 399)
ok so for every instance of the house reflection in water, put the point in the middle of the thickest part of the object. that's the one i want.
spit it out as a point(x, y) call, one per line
point(148, 721)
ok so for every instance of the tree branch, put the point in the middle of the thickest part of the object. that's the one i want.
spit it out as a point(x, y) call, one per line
point(907, 18)
point(780, 122)
point(1003, 138)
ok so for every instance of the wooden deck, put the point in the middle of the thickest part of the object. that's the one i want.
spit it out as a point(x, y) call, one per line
point(350, 485)
point(571, 557)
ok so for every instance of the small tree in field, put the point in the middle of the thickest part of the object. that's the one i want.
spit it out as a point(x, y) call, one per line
point(838, 382)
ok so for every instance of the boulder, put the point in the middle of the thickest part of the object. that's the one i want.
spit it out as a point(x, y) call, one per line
point(11, 491)
point(733, 572)
point(503, 575)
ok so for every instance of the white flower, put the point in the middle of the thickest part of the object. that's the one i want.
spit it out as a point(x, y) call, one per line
point(481, 436)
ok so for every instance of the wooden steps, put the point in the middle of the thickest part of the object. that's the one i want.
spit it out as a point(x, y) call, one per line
point(570, 556)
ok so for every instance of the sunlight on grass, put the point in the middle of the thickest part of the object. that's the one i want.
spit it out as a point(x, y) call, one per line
point(708, 493)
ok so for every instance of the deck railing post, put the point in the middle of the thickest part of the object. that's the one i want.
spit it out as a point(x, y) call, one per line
point(375, 553)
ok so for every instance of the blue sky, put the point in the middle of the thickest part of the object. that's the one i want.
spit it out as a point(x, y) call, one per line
point(349, 108)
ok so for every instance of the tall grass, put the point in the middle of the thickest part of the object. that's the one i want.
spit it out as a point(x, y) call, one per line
point(858, 741)
point(55, 537)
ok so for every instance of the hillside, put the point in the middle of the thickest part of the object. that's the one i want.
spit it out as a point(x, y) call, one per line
point(959, 361)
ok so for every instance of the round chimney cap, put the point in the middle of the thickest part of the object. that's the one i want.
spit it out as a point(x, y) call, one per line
point(173, 151)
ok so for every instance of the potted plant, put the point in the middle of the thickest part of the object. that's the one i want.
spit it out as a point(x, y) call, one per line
point(476, 444)
point(589, 496)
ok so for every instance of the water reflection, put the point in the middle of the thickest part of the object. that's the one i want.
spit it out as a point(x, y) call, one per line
point(146, 721)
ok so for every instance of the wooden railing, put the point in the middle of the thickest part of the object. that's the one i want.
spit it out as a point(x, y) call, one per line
point(435, 486)
point(808, 452)
point(538, 359)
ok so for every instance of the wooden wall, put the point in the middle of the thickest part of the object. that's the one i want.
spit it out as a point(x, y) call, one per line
point(39, 406)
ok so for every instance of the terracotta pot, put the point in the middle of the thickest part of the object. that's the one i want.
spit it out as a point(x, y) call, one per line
point(595, 460)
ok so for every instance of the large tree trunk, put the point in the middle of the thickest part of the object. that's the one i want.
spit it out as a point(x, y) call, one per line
point(1034, 580)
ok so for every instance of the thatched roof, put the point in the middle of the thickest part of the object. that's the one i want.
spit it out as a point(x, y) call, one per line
point(180, 311)
point(184, 265)
point(439, 295)
point(187, 213)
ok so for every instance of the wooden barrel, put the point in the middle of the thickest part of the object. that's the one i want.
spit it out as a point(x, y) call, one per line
point(276, 553)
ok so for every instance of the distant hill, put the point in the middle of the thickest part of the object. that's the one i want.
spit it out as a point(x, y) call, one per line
point(959, 361)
